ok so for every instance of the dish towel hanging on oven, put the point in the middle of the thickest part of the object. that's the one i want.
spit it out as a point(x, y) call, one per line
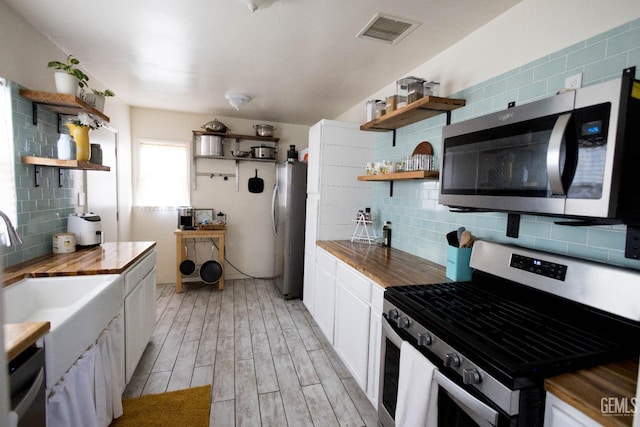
point(415, 389)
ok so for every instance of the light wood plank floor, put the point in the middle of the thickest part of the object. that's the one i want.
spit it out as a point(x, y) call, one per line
point(266, 359)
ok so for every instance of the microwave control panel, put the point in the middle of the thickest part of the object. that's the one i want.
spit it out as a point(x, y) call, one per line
point(592, 125)
point(538, 266)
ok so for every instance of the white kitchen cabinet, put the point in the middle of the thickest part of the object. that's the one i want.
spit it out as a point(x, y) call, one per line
point(347, 306)
point(351, 338)
point(139, 310)
point(558, 413)
point(324, 292)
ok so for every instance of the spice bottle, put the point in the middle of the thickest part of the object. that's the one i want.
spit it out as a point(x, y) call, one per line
point(386, 234)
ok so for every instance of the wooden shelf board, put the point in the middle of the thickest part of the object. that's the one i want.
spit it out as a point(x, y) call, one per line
point(243, 159)
point(401, 175)
point(65, 164)
point(61, 103)
point(419, 110)
point(237, 136)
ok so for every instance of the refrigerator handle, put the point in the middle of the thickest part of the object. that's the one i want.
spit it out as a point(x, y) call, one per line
point(274, 201)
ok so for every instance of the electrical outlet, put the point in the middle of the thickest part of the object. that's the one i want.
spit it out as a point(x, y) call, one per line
point(573, 82)
point(81, 197)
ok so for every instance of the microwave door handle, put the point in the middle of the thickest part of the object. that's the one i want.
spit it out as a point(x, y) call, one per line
point(554, 154)
point(477, 410)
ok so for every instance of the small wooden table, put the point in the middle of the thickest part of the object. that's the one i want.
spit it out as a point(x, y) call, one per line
point(182, 235)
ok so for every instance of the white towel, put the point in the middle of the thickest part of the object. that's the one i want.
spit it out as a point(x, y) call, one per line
point(415, 383)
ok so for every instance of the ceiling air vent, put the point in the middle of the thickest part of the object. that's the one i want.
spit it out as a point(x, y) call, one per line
point(387, 28)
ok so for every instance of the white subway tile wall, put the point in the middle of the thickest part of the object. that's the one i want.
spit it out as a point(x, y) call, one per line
point(419, 224)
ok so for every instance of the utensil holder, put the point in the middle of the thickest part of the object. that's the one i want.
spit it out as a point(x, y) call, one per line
point(458, 264)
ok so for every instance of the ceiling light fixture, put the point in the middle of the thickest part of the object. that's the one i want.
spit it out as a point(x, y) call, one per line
point(237, 100)
point(254, 5)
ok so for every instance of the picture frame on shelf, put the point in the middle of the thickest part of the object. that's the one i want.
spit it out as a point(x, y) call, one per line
point(204, 216)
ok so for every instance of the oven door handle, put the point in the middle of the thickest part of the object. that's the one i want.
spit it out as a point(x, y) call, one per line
point(478, 411)
point(388, 332)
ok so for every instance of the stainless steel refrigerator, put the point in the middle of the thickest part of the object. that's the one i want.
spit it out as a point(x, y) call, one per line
point(288, 209)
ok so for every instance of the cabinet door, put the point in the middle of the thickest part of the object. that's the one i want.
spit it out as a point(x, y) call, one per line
point(558, 413)
point(139, 314)
point(352, 333)
point(149, 284)
point(324, 300)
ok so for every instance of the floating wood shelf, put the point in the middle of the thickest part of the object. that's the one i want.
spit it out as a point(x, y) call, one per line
point(243, 159)
point(419, 110)
point(59, 103)
point(64, 164)
point(238, 137)
point(401, 175)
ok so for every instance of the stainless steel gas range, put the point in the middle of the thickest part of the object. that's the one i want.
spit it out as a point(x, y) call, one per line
point(524, 316)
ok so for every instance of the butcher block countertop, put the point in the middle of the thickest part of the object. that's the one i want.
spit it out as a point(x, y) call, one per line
point(20, 336)
point(386, 266)
point(585, 389)
point(108, 258)
point(582, 389)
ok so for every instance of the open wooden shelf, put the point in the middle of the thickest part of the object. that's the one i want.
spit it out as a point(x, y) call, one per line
point(60, 103)
point(64, 164)
point(419, 110)
point(401, 175)
point(237, 137)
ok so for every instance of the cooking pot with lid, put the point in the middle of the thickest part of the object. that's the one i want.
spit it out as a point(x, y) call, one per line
point(215, 126)
point(264, 130)
point(263, 152)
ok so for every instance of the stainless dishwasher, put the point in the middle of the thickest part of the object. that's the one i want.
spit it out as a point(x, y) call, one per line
point(26, 379)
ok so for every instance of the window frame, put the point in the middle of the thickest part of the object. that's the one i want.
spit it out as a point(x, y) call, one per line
point(137, 171)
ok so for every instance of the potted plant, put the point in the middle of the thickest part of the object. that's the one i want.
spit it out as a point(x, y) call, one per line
point(68, 78)
point(96, 98)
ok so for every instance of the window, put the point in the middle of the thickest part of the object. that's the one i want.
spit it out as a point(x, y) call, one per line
point(8, 203)
point(162, 174)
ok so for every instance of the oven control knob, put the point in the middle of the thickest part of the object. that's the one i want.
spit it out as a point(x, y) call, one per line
point(471, 376)
point(424, 339)
point(451, 360)
point(403, 322)
point(393, 314)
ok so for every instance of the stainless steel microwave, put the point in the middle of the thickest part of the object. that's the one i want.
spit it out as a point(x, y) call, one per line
point(564, 156)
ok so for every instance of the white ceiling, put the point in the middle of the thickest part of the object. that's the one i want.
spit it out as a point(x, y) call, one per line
point(298, 59)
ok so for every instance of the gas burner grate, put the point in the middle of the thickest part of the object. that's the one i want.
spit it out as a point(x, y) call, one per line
point(518, 335)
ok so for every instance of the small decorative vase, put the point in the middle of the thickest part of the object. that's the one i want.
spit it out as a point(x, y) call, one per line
point(66, 147)
point(81, 136)
point(96, 101)
point(66, 83)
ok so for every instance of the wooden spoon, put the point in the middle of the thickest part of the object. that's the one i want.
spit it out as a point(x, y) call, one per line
point(466, 240)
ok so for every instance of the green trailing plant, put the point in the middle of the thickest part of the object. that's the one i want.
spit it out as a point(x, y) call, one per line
point(69, 68)
point(106, 92)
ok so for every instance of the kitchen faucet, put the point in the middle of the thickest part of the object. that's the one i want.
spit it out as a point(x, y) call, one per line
point(14, 238)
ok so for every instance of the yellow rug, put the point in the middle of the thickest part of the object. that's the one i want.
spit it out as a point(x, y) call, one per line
point(188, 407)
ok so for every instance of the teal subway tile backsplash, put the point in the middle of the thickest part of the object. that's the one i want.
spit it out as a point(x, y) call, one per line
point(43, 210)
point(420, 224)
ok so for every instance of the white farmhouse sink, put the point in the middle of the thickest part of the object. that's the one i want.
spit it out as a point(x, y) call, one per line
point(78, 307)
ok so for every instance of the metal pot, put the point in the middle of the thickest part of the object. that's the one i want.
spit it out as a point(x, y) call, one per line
point(215, 126)
point(210, 145)
point(263, 152)
point(264, 130)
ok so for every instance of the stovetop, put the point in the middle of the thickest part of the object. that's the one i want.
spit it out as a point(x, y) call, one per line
point(516, 332)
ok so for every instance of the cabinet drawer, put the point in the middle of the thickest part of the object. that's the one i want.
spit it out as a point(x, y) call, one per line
point(135, 274)
point(326, 260)
point(354, 281)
